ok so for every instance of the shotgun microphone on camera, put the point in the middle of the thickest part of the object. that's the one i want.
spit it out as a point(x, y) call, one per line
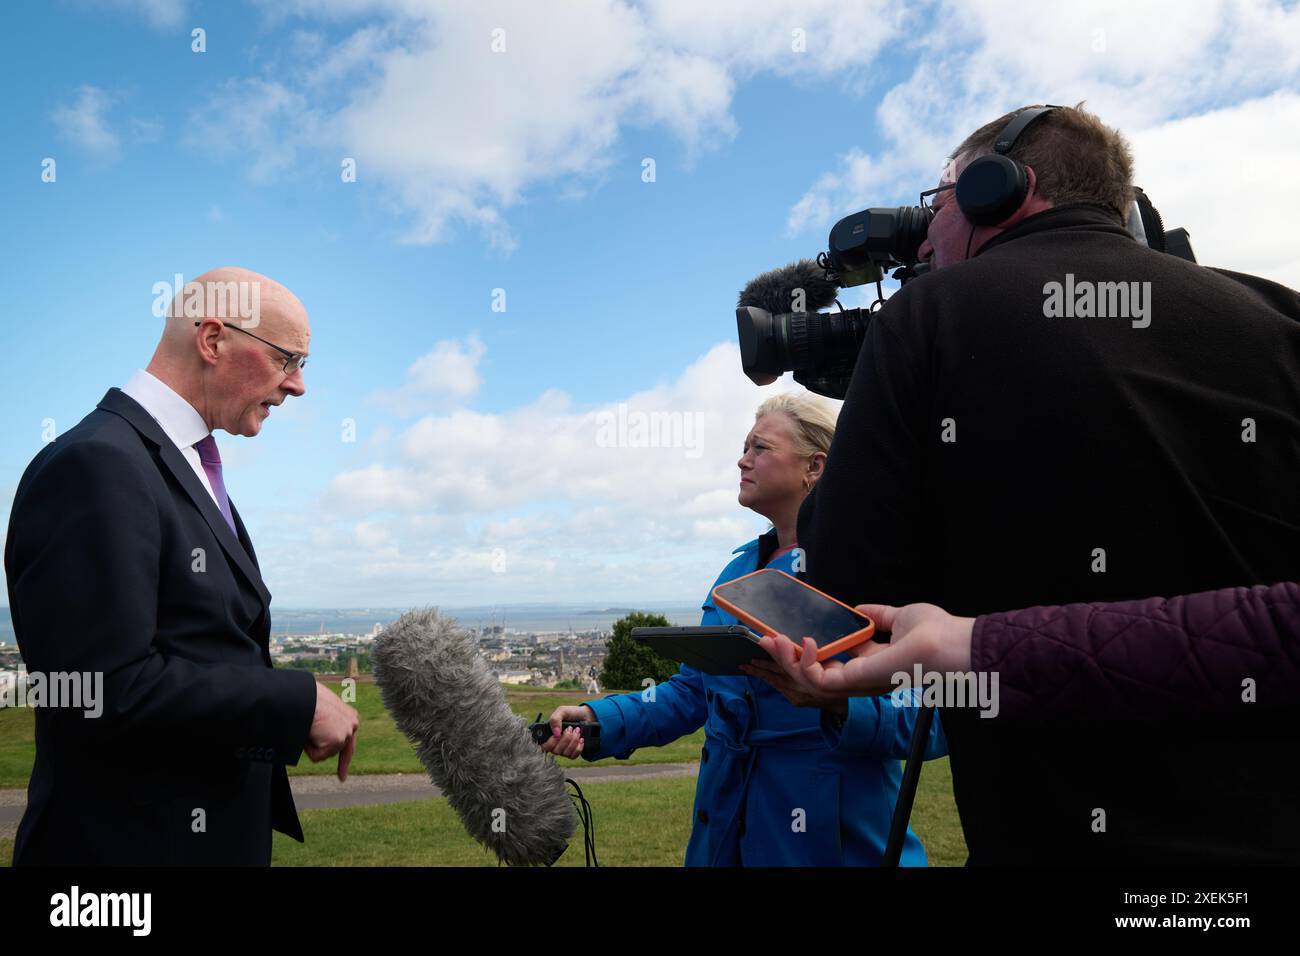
point(781, 329)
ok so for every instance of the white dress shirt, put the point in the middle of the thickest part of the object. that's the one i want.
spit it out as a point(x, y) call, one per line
point(177, 418)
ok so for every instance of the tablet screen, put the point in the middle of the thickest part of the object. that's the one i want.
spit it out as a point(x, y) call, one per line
point(791, 607)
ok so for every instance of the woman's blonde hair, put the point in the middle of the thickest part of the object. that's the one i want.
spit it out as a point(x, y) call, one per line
point(814, 420)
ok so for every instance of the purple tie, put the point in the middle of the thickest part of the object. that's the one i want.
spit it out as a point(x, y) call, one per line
point(211, 459)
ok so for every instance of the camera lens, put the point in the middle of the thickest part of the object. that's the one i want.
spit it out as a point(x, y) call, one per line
point(819, 347)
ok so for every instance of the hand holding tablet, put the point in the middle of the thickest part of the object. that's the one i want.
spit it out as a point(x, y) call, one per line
point(771, 603)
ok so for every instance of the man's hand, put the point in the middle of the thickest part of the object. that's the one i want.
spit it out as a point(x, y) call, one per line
point(920, 634)
point(333, 730)
point(569, 743)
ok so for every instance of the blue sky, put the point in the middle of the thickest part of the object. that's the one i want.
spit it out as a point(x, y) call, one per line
point(476, 476)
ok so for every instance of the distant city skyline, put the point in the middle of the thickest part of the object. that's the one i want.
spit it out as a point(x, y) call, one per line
point(515, 616)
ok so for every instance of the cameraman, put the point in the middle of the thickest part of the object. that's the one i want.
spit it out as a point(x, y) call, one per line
point(994, 453)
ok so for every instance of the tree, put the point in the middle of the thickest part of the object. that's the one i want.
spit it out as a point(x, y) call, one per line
point(628, 662)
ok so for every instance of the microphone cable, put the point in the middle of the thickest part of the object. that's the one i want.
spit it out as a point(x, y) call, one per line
point(588, 823)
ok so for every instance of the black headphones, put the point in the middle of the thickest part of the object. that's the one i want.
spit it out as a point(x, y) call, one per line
point(993, 186)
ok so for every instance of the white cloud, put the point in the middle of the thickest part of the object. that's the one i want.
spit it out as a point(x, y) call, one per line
point(159, 14)
point(1144, 67)
point(370, 535)
point(447, 374)
point(379, 437)
point(856, 177)
point(145, 130)
point(456, 133)
point(470, 462)
point(260, 121)
point(723, 529)
point(539, 502)
point(84, 122)
point(1228, 176)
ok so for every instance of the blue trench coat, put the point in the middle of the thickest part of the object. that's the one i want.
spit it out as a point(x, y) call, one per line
point(779, 785)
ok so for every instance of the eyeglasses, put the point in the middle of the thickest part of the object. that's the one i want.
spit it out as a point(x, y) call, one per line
point(292, 360)
point(930, 192)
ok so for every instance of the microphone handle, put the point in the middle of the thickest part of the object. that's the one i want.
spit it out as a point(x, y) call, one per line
point(589, 729)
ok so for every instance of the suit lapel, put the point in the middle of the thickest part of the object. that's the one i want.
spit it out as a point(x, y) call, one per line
point(121, 404)
point(242, 535)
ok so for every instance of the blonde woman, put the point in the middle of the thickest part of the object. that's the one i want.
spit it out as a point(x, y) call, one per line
point(779, 784)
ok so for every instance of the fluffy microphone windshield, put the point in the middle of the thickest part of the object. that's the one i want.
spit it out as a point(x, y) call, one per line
point(773, 291)
point(508, 793)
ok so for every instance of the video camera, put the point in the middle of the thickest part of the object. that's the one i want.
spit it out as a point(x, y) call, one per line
point(778, 320)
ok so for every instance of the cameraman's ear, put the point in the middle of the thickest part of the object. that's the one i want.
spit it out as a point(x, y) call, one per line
point(1032, 191)
point(1032, 204)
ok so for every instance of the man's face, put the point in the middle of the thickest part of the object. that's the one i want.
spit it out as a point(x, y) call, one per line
point(950, 230)
point(952, 237)
point(253, 378)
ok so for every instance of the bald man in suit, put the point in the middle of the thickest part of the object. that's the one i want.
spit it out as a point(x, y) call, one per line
point(125, 557)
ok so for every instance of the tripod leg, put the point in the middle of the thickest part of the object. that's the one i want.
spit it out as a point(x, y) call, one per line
point(907, 792)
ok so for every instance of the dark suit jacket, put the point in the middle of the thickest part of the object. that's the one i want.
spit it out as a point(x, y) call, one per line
point(109, 529)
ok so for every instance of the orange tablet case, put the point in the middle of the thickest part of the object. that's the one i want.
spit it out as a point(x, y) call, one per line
point(837, 646)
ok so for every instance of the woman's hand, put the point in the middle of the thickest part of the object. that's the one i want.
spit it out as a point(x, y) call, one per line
point(569, 743)
point(797, 694)
point(919, 634)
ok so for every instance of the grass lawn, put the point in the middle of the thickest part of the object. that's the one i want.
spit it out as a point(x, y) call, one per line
point(380, 747)
point(638, 823)
point(17, 745)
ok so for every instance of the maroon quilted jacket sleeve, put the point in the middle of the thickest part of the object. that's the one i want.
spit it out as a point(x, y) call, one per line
point(1191, 653)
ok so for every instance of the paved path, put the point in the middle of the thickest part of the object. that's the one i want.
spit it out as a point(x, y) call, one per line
point(325, 791)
